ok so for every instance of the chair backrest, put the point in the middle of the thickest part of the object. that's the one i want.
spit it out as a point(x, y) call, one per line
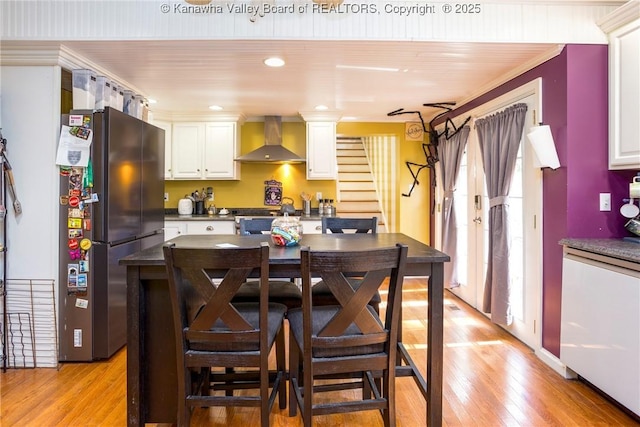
point(342, 225)
point(203, 316)
point(355, 323)
point(255, 225)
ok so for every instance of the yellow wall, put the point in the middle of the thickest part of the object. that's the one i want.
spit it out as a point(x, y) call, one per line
point(413, 212)
point(249, 191)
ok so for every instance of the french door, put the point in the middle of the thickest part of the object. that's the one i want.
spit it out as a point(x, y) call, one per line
point(472, 205)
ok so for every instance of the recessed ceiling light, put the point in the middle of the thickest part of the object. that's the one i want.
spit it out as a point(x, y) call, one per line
point(152, 101)
point(274, 62)
point(321, 107)
point(215, 107)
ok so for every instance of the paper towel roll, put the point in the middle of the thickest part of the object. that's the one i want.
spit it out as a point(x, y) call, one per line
point(544, 147)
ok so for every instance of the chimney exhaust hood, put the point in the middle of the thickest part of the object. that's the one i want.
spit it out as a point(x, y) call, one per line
point(272, 151)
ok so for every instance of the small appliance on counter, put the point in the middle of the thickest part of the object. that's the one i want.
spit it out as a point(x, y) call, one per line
point(185, 207)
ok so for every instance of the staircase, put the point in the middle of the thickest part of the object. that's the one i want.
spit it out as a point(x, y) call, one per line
point(357, 195)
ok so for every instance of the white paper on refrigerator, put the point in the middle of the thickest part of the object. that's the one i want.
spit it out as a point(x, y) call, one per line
point(74, 147)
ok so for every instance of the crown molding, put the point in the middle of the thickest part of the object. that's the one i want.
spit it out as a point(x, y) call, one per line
point(47, 54)
point(31, 55)
point(626, 13)
point(544, 57)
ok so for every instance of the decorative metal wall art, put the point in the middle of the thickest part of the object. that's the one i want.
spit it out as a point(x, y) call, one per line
point(430, 149)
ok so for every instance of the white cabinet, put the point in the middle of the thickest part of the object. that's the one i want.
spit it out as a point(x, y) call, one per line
point(168, 135)
point(311, 227)
point(624, 97)
point(187, 148)
point(205, 150)
point(599, 334)
point(176, 228)
point(221, 147)
point(211, 227)
point(321, 150)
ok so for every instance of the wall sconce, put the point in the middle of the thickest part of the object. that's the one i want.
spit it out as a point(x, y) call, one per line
point(543, 145)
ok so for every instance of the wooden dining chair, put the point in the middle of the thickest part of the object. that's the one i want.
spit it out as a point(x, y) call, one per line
point(281, 291)
point(335, 343)
point(332, 224)
point(255, 225)
point(214, 334)
point(320, 292)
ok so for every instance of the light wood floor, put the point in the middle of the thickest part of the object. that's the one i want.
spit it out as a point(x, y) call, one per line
point(490, 379)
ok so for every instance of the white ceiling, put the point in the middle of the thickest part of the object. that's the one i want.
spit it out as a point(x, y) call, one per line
point(186, 77)
point(189, 76)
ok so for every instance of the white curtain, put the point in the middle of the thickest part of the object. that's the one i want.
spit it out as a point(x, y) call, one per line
point(450, 153)
point(499, 137)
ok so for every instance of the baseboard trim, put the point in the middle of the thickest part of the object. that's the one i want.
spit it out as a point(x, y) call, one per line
point(556, 364)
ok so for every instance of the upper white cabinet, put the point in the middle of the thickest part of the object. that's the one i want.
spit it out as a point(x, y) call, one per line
point(205, 150)
point(221, 147)
point(167, 145)
point(321, 150)
point(624, 94)
point(187, 149)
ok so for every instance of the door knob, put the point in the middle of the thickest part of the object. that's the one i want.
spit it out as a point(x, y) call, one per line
point(477, 220)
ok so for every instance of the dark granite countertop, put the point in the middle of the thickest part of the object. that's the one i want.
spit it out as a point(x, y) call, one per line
point(177, 217)
point(230, 217)
point(616, 248)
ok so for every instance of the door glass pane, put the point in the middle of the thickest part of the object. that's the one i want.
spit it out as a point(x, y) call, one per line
point(516, 240)
point(462, 219)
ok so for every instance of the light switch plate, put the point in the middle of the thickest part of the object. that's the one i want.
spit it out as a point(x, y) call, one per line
point(605, 202)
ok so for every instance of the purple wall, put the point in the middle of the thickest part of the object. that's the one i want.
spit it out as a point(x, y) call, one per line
point(575, 102)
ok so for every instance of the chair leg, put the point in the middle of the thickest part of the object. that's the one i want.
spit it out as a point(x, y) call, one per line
point(294, 371)
point(264, 394)
point(389, 393)
point(307, 398)
point(229, 371)
point(185, 385)
point(281, 369)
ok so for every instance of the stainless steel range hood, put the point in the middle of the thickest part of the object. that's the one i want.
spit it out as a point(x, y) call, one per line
point(272, 151)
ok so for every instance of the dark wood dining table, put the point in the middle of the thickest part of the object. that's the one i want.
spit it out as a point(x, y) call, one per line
point(151, 361)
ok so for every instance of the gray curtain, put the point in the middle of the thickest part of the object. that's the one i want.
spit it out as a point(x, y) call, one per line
point(450, 154)
point(499, 137)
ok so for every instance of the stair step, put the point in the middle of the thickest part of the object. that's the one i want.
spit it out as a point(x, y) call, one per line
point(355, 206)
point(351, 153)
point(361, 196)
point(352, 161)
point(356, 176)
point(349, 168)
point(349, 146)
point(356, 186)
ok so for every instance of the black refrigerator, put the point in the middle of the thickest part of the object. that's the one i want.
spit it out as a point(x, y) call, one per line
point(110, 208)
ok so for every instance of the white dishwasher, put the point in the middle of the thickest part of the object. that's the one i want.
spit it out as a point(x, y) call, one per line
point(600, 329)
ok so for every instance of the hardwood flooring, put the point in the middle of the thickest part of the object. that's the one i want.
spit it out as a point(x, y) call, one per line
point(490, 379)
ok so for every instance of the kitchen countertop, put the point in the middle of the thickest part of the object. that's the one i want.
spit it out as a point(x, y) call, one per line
point(175, 217)
point(616, 248)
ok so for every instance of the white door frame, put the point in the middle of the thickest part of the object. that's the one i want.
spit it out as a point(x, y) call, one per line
point(533, 88)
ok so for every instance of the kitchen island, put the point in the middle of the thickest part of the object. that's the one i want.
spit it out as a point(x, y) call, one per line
point(151, 362)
